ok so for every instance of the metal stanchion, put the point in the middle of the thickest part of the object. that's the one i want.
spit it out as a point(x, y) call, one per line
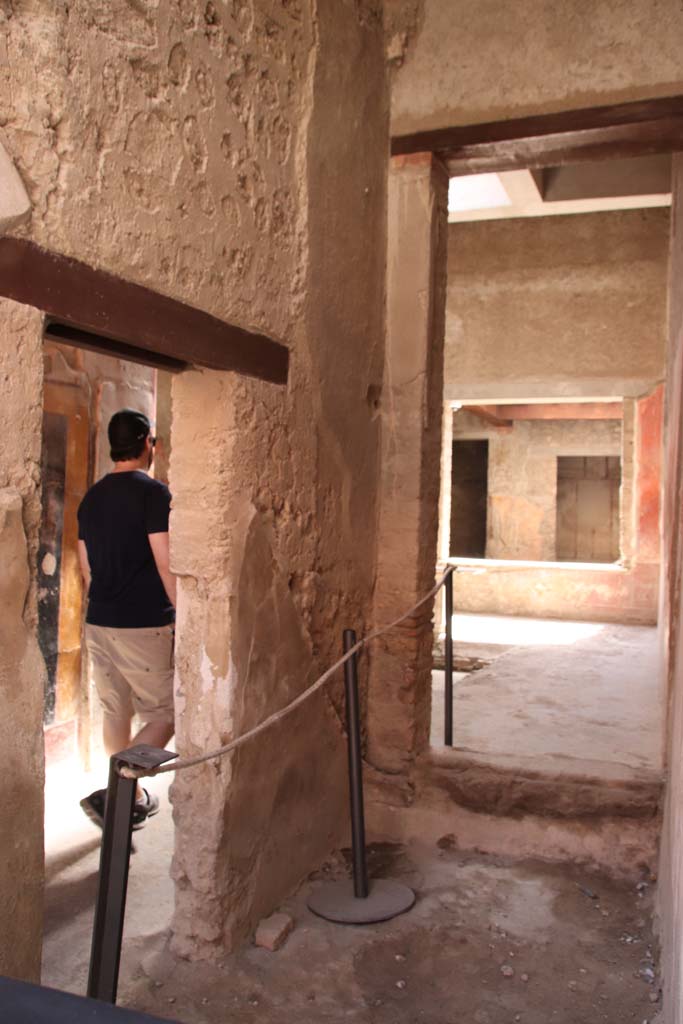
point(448, 662)
point(110, 908)
point(361, 901)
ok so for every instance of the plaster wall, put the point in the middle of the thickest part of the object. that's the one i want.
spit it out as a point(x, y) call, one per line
point(554, 307)
point(670, 890)
point(229, 155)
point(522, 478)
point(627, 592)
point(22, 671)
point(462, 63)
point(287, 492)
point(400, 676)
point(566, 307)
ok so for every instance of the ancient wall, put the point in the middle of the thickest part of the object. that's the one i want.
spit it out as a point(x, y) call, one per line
point(287, 492)
point(670, 894)
point(229, 155)
point(464, 63)
point(400, 668)
point(557, 306)
point(624, 592)
point(565, 307)
point(22, 677)
point(522, 477)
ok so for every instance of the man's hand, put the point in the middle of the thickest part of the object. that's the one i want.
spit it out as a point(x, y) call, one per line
point(85, 564)
point(159, 545)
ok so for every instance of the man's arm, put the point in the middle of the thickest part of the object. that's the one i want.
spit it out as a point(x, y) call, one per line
point(84, 563)
point(159, 545)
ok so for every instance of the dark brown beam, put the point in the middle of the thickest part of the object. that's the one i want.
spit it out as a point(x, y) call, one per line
point(551, 140)
point(65, 334)
point(78, 296)
point(560, 411)
point(489, 414)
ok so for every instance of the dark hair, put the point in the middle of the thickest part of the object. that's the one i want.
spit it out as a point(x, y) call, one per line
point(122, 455)
point(128, 432)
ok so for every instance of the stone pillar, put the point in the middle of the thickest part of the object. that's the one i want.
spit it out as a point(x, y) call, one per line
point(400, 677)
point(670, 887)
point(22, 672)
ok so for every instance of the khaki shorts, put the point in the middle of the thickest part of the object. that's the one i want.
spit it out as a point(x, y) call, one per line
point(132, 670)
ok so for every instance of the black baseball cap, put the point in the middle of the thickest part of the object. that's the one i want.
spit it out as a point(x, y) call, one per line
point(127, 428)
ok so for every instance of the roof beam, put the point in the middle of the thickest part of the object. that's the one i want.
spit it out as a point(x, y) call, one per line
point(489, 414)
point(552, 140)
point(100, 308)
point(561, 411)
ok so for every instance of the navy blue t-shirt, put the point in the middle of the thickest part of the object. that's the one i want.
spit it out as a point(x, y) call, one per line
point(114, 519)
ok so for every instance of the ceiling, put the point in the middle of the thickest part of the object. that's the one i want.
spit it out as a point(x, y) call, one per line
point(626, 184)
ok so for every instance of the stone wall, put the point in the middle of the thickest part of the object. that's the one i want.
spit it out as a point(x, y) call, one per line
point(465, 63)
point(627, 592)
point(229, 155)
point(554, 307)
point(522, 478)
point(558, 308)
point(22, 677)
point(670, 890)
point(287, 492)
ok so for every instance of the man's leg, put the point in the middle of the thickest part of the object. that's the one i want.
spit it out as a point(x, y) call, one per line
point(116, 701)
point(145, 658)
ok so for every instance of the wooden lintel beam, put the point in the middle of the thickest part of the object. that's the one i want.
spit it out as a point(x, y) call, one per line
point(103, 306)
point(64, 334)
point(562, 411)
point(595, 133)
point(488, 413)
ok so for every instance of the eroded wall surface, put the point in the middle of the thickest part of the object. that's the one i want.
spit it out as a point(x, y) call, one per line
point(230, 155)
point(557, 306)
point(287, 493)
point(22, 677)
point(462, 63)
point(670, 894)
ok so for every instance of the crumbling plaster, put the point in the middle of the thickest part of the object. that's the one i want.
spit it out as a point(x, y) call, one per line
point(22, 673)
point(400, 676)
point(670, 890)
point(287, 492)
point(472, 61)
point(228, 154)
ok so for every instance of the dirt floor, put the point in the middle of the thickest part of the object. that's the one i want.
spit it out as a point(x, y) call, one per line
point(488, 942)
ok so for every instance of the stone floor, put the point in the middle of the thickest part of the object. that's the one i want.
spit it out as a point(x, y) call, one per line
point(488, 942)
point(565, 696)
point(72, 848)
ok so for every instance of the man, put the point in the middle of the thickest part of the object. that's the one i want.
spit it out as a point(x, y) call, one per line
point(123, 552)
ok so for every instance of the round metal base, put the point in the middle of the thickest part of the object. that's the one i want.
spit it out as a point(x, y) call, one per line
point(336, 902)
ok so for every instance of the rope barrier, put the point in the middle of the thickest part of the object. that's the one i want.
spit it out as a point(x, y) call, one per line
point(190, 762)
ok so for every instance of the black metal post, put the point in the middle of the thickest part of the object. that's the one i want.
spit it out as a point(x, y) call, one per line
point(105, 954)
point(360, 867)
point(448, 661)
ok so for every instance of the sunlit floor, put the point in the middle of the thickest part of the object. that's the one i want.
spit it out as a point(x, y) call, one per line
point(559, 693)
point(72, 849)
